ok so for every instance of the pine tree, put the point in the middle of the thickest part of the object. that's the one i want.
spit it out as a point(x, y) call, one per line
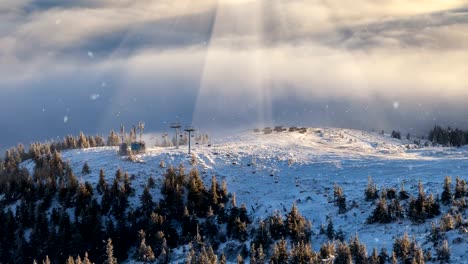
point(383, 256)
point(102, 184)
point(358, 251)
point(343, 254)
point(113, 139)
point(327, 250)
point(110, 253)
point(70, 260)
point(280, 253)
point(330, 229)
point(340, 198)
point(418, 256)
point(446, 197)
point(240, 260)
point(381, 213)
point(443, 253)
point(46, 260)
point(78, 260)
point(261, 257)
point(402, 247)
point(276, 226)
point(301, 253)
point(403, 194)
point(374, 257)
point(145, 253)
point(447, 223)
point(297, 226)
point(83, 141)
point(151, 182)
point(395, 209)
point(371, 192)
point(214, 192)
point(460, 188)
point(86, 170)
point(222, 259)
point(253, 254)
point(394, 258)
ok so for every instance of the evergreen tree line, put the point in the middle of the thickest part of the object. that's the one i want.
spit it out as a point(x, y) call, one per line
point(448, 137)
point(389, 208)
point(57, 216)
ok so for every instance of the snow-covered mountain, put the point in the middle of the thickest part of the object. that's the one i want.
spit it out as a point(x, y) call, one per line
point(270, 172)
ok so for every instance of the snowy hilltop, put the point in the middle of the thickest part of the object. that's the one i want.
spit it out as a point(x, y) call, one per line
point(269, 173)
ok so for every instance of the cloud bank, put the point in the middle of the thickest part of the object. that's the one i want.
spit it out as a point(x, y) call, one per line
point(221, 63)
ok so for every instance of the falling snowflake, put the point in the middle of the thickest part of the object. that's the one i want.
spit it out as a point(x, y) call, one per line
point(90, 54)
point(94, 96)
point(103, 84)
point(396, 105)
point(58, 21)
point(65, 119)
point(43, 110)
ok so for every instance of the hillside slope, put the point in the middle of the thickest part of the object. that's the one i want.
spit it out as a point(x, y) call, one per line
point(271, 172)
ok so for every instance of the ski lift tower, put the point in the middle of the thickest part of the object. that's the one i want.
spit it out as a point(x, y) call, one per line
point(141, 127)
point(189, 130)
point(122, 133)
point(176, 126)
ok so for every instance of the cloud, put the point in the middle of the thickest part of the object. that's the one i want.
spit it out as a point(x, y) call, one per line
point(234, 59)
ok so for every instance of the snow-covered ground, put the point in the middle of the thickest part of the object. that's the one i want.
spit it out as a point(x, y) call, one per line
point(271, 172)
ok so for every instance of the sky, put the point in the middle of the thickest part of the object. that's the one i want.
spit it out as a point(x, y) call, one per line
point(228, 65)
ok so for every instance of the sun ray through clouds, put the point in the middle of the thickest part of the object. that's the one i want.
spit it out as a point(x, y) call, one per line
point(233, 88)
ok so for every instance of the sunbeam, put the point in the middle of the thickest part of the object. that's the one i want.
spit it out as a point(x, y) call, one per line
point(234, 76)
